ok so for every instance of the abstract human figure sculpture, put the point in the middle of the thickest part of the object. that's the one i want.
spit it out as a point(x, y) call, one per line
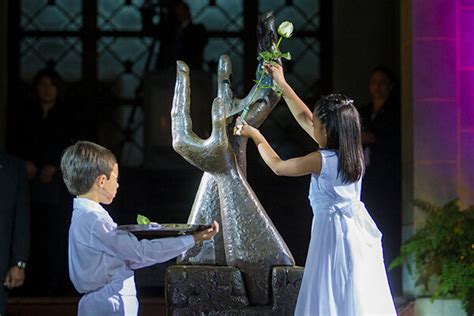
point(249, 239)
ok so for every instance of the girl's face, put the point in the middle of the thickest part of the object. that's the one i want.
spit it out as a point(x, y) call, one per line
point(46, 90)
point(319, 132)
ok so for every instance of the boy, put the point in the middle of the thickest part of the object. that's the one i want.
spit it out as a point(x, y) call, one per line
point(102, 258)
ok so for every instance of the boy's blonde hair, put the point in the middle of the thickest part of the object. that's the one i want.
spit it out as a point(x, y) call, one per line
point(82, 163)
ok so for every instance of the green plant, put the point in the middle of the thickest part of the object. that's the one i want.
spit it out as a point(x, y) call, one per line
point(285, 30)
point(443, 248)
point(142, 220)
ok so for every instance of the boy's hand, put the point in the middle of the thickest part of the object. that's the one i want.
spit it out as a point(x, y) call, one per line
point(207, 233)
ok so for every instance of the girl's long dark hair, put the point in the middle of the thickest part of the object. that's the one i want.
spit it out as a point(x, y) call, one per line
point(338, 113)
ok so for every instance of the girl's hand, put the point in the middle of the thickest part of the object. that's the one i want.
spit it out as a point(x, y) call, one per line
point(275, 71)
point(248, 131)
point(243, 129)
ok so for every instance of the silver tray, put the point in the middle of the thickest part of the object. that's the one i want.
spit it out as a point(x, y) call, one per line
point(154, 230)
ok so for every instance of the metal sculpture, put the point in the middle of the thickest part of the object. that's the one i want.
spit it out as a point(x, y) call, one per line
point(249, 239)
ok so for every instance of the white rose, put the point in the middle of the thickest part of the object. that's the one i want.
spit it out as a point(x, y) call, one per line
point(285, 29)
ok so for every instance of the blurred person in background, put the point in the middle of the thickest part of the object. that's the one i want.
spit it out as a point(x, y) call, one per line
point(381, 189)
point(14, 225)
point(42, 135)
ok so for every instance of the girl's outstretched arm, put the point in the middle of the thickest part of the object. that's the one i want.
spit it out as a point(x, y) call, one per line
point(294, 167)
point(298, 108)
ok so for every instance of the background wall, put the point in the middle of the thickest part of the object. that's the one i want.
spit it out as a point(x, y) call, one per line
point(435, 103)
point(465, 99)
point(3, 71)
point(443, 96)
point(438, 114)
point(365, 34)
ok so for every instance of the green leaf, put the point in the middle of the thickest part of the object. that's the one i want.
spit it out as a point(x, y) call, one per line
point(142, 220)
point(266, 55)
point(277, 90)
point(442, 248)
point(286, 55)
point(396, 263)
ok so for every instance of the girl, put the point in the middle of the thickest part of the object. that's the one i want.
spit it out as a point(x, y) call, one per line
point(344, 272)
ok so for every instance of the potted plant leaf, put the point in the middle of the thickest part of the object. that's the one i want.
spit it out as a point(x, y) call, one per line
point(443, 249)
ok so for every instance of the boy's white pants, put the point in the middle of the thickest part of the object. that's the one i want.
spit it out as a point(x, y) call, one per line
point(109, 301)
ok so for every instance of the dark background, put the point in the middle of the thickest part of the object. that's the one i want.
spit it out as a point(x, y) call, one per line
point(101, 50)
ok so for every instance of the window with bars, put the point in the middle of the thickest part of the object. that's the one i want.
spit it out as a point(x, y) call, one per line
point(53, 35)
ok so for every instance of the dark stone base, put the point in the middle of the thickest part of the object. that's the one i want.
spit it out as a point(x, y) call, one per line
point(214, 290)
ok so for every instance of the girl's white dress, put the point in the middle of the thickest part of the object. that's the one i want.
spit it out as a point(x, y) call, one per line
point(344, 272)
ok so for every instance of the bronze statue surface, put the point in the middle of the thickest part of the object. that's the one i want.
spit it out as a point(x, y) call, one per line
point(248, 239)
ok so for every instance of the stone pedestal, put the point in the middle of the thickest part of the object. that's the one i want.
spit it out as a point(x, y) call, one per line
point(220, 290)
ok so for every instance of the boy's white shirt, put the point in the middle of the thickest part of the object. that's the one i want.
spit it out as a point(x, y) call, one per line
point(101, 255)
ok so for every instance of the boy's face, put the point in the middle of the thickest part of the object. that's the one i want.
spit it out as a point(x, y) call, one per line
point(110, 186)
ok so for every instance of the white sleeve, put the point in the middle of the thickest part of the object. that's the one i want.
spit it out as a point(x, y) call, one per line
point(105, 237)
